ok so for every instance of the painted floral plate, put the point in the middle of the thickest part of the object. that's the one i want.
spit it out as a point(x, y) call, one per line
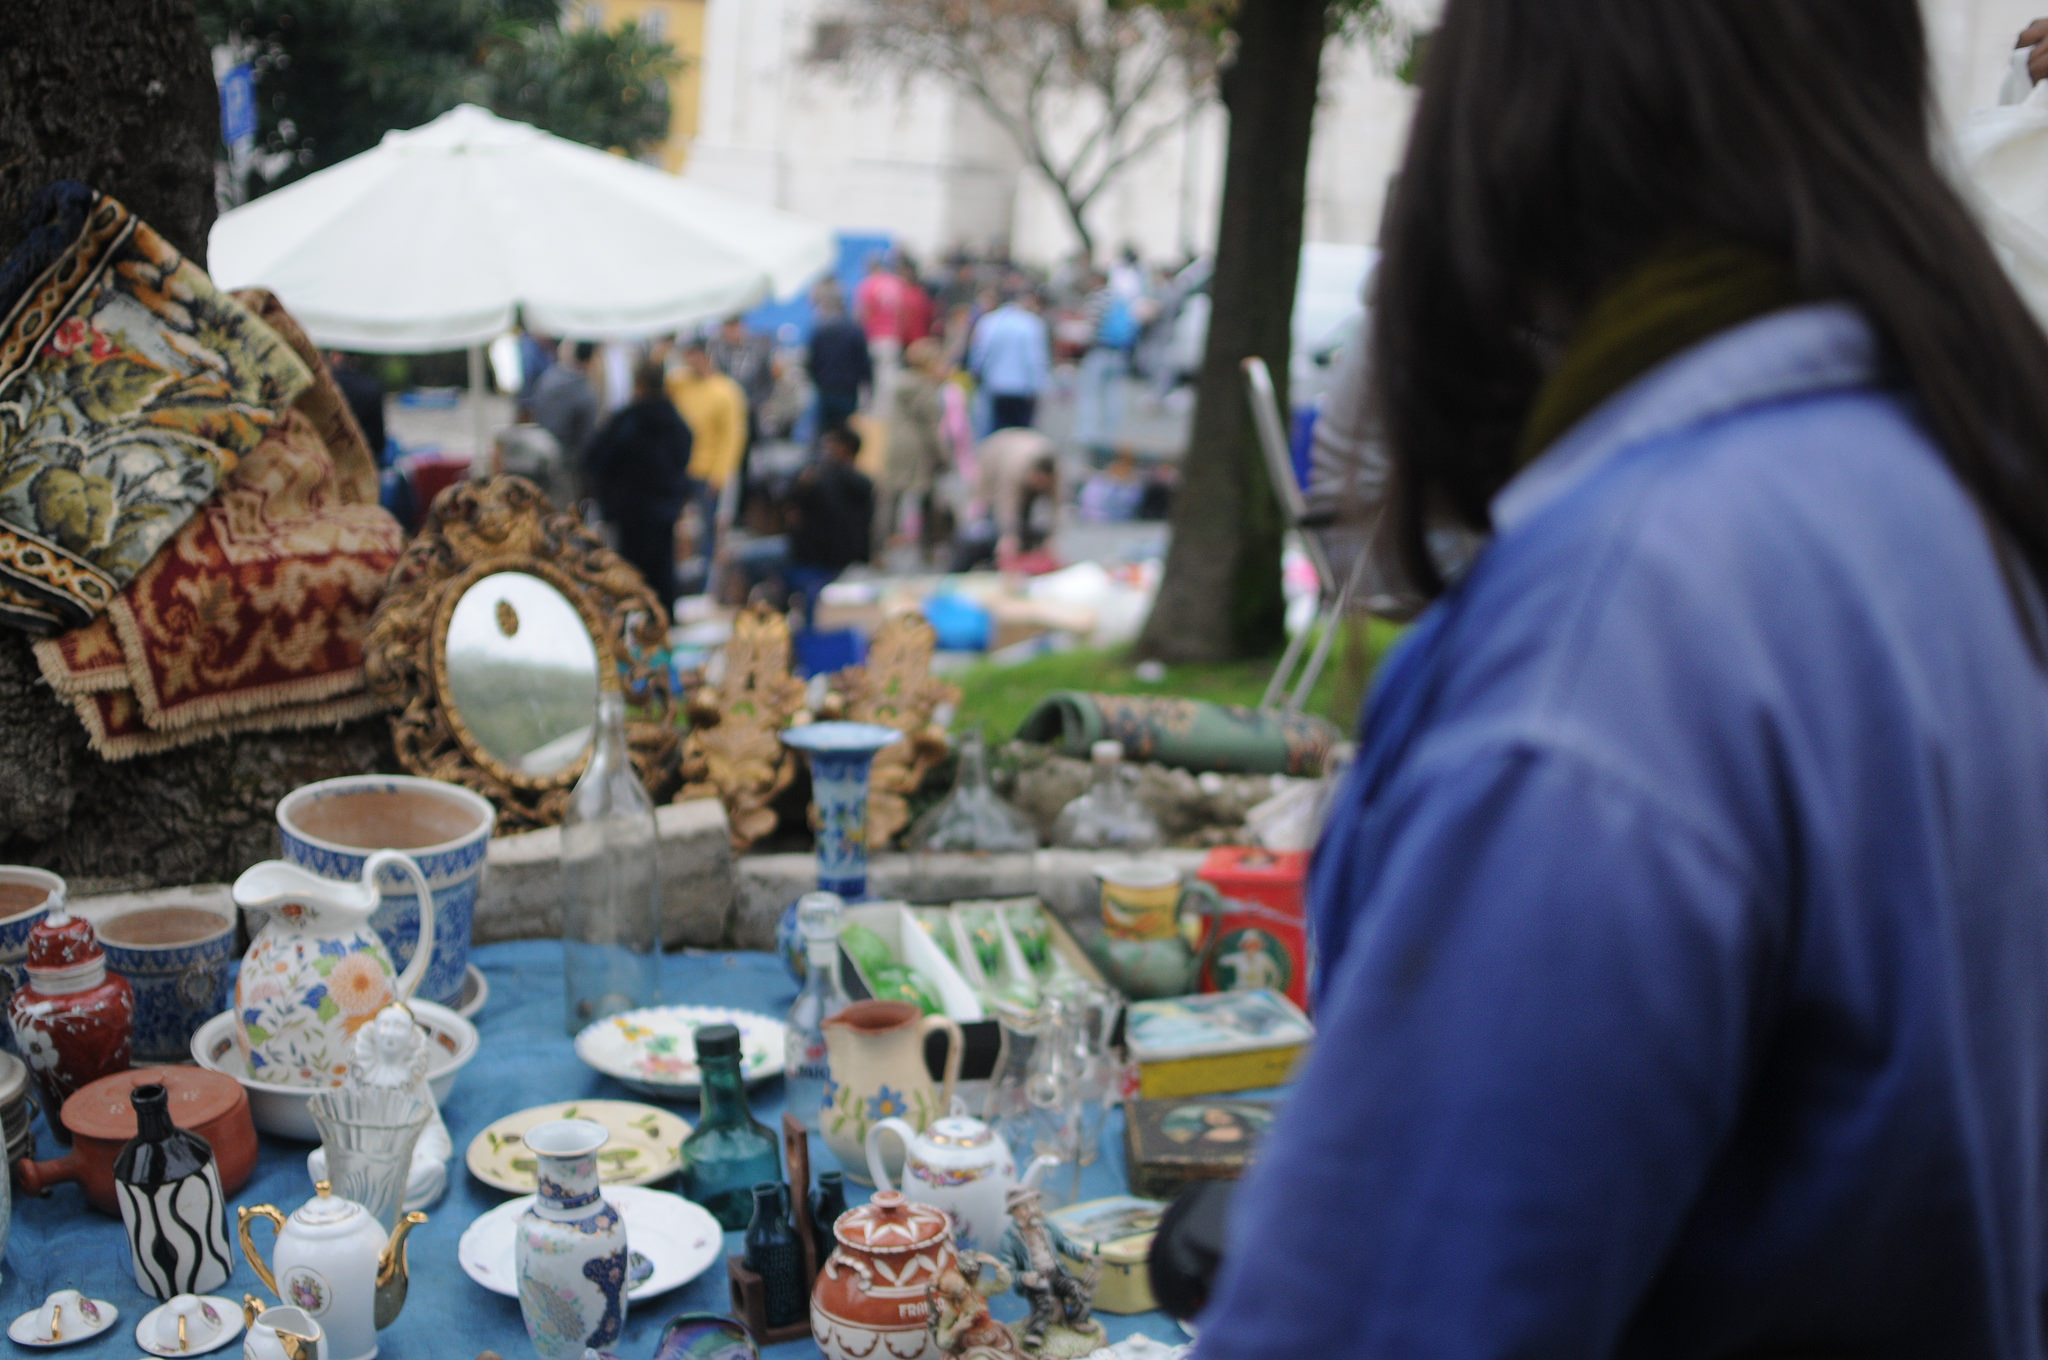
point(673, 1241)
point(646, 1144)
point(654, 1050)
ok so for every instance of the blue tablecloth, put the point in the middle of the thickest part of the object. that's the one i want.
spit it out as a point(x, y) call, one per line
point(58, 1242)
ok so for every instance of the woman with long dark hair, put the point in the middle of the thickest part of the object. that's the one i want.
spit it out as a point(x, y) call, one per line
point(1683, 925)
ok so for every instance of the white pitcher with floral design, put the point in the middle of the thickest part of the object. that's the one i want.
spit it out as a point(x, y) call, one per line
point(317, 972)
point(876, 1053)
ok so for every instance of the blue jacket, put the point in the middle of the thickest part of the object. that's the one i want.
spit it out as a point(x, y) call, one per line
point(1011, 352)
point(1684, 922)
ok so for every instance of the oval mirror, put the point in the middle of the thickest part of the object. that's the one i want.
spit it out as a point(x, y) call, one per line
point(522, 673)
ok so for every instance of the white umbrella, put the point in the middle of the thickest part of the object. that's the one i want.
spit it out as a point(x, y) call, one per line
point(439, 236)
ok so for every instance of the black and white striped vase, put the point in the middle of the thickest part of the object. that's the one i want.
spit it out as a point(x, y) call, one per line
point(171, 1204)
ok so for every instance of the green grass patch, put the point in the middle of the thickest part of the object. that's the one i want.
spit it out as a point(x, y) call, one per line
point(997, 697)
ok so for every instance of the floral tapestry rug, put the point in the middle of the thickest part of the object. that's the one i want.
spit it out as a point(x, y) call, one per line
point(252, 617)
point(129, 387)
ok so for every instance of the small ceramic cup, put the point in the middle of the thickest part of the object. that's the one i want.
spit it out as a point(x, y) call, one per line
point(331, 828)
point(176, 957)
point(26, 897)
point(282, 1334)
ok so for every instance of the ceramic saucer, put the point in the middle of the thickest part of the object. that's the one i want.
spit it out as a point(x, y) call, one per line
point(679, 1239)
point(654, 1050)
point(84, 1319)
point(476, 989)
point(646, 1144)
point(210, 1323)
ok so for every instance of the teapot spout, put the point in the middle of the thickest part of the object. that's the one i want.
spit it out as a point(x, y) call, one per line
point(393, 1272)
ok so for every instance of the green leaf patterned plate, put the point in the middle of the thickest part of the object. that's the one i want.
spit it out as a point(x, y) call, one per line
point(646, 1144)
point(654, 1051)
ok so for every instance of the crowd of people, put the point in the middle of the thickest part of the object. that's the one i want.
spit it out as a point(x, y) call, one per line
point(915, 402)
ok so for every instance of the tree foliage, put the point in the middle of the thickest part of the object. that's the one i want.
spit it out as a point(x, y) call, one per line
point(1141, 70)
point(333, 76)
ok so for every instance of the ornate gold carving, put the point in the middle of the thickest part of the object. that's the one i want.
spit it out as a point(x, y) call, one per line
point(734, 752)
point(896, 688)
point(505, 524)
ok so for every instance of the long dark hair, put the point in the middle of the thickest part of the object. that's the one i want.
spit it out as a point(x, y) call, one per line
point(1559, 142)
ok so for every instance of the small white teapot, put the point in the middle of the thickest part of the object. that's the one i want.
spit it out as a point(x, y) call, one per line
point(333, 1260)
point(957, 1165)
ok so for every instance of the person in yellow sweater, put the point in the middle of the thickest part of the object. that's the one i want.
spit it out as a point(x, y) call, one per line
point(715, 408)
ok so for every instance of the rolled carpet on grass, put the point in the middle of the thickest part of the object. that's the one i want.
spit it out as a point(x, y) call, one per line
point(1188, 733)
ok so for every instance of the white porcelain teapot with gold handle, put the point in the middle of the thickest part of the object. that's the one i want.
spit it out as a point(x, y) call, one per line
point(958, 1165)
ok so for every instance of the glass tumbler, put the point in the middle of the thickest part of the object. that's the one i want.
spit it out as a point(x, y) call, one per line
point(369, 1136)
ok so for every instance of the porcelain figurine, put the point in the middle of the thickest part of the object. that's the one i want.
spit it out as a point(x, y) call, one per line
point(571, 1246)
point(317, 973)
point(333, 1261)
point(281, 1333)
point(73, 1021)
point(1062, 1324)
point(64, 1317)
point(872, 1295)
point(876, 1053)
point(960, 1321)
point(168, 1187)
point(957, 1165)
point(391, 1054)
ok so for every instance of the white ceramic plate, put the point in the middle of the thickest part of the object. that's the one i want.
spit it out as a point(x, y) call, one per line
point(281, 1109)
point(646, 1144)
point(654, 1050)
point(679, 1239)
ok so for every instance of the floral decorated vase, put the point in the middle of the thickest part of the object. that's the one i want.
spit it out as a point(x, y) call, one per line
point(842, 754)
point(332, 827)
point(571, 1246)
point(73, 1021)
point(317, 972)
point(875, 1050)
point(871, 1298)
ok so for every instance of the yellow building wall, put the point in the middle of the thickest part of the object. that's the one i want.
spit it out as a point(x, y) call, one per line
point(679, 23)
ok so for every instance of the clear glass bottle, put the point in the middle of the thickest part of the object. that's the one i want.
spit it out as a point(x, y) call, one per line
point(611, 881)
point(773, 1251)
point(729, 1152)
point(973, 817)
point(806, 1069)
point(828, 1202)
point(1107, 816)
point(1007, 1108)
point(1054, 1089)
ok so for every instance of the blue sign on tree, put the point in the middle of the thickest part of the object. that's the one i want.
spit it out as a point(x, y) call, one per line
point(238, 105)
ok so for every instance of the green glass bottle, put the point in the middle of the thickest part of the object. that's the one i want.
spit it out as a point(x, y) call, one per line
point(729, 1152)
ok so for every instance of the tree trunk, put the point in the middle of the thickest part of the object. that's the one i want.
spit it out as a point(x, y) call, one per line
point(117, 94)
point(1227, 527)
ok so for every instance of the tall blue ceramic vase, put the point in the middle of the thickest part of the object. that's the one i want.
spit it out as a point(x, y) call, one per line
point(841, 755)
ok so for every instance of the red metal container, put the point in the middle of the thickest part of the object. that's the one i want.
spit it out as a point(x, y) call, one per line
point(1261, 941)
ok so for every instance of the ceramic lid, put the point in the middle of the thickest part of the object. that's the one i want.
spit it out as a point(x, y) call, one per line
point(324, 1210)
point(890, 1223)
point(61, 940)
point(958, 1131)
point(197, 1098)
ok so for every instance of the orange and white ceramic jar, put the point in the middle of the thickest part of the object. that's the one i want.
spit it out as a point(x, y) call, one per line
point(870, 1301)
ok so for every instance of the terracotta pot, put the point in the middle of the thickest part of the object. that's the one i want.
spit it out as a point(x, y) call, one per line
point(101, 1121)
point(870, 1298)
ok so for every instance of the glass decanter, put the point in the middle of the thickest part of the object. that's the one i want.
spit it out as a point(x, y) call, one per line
point(1054, 1089)
point(973, 817)
point(1093, 1011)
point(1107, 816)
point(1007, 1108)
point(611, 885)
point(729, 1152)
point(819, 915)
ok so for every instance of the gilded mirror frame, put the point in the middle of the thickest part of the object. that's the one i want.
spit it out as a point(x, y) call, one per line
point(505, 524)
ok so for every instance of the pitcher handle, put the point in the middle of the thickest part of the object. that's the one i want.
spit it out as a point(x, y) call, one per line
point(874, 1148)
point(248, 1214)
point(956, 1048)
point(423, 944)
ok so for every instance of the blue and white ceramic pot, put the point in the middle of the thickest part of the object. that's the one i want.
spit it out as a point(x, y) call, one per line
point(26, 897)
point(176, 956)
point(841, 754)
point(571, 1247)
point(331, 827)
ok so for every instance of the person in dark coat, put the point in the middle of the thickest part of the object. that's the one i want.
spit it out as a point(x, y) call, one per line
point(639, 468)
point(832, 517)
point(365, 398)
point(838, 362)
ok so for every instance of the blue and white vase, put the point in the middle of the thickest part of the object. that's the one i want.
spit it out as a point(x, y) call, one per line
point(841, 754)
point(571, 1246)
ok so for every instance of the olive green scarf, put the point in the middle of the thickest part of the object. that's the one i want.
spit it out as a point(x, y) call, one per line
point(1683, 294)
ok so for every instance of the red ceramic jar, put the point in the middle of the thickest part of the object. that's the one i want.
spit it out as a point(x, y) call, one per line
point(870, 1299)
point(73, 1021)
point(101, 1120)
